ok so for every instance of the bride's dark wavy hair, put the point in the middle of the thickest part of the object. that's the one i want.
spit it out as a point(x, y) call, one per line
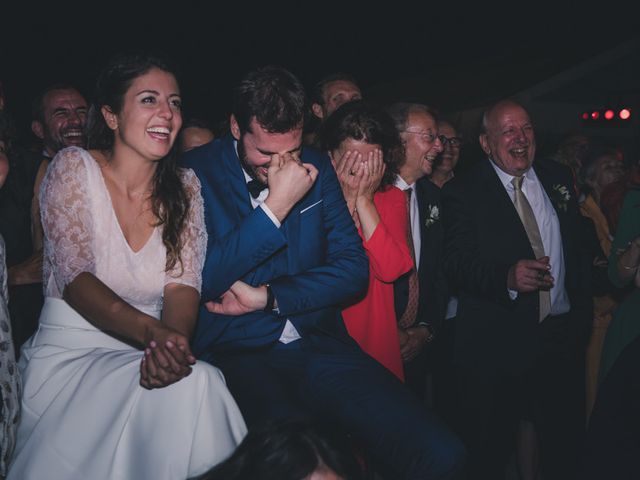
point(169, 201)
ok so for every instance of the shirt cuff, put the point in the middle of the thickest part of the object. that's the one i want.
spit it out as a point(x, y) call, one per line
point(270, 214)
point(513, 294)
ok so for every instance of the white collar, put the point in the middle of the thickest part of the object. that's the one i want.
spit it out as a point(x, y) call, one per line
point(506, 178)
point(402, 185)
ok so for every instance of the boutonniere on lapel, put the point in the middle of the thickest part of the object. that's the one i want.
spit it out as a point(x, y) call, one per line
point(561, 196)
point(433, 215)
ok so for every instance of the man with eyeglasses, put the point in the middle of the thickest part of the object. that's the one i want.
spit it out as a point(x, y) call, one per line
point(442, 351)
point(418, 131)
point(448, 158)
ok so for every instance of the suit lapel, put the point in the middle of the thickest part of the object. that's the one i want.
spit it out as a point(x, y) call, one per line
point(502, 206)
point(238, 206)
point(549, 183)
point(422, 213)
point(426, 202)
point(237, 186)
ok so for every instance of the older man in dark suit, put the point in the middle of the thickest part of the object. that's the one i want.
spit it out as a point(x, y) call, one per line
point(512, 252)
point(424, 286)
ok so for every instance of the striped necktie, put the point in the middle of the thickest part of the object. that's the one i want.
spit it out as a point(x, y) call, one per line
point(408, 318)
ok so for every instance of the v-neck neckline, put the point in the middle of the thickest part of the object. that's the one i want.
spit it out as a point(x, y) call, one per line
point(115, 217)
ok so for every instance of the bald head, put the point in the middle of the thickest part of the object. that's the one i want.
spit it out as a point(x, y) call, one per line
point(508, 138)
point(493, 112)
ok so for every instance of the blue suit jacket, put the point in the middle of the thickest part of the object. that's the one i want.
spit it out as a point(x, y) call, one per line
point(314, 262)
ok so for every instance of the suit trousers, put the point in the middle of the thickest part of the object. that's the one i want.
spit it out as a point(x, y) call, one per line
point(550, 395)
point(444, 384)
point(334, 381)
point(416, 372)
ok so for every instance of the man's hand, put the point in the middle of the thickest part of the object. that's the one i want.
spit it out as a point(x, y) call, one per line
point(288, 180)
point(239, 299)
point(530, 275)
point(412, 341)
point(27, 272)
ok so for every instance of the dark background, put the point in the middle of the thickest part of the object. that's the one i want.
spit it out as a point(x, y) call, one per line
point(216, 43)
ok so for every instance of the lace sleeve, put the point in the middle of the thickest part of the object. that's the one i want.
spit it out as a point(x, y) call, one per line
point(194, 238)
point(67, 222)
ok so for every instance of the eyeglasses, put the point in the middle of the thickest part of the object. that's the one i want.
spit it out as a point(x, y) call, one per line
point(428, 136)
point(455, 142)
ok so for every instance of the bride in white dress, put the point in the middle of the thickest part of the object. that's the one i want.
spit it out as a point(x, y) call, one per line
point(110, 387)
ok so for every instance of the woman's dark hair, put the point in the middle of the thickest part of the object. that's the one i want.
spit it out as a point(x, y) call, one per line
point(274, 96)
point(363, 121)
point(287, 450)
point(169, 201)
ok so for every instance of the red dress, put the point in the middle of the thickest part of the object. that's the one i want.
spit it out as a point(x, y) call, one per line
point(372, 321)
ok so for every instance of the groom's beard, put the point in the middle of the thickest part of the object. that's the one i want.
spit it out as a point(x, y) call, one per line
point(242, 155)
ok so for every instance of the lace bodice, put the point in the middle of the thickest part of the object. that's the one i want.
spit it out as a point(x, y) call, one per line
point(82, 234)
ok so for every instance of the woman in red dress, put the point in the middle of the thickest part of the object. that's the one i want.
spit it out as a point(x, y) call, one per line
point(365, 149)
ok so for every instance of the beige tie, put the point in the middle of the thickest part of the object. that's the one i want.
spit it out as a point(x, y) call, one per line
point(533, 232)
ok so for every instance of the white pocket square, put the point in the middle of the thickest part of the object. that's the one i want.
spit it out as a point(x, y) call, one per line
point(310, 207)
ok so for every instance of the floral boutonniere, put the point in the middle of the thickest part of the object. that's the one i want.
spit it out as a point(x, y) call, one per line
point(561, 196)
point(433, 215)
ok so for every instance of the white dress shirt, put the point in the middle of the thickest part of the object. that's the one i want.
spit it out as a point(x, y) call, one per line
point(259, 202)
point(414, 216)
point(549, 227)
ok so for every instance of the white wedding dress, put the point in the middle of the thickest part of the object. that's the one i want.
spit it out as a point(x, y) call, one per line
point(84, 414)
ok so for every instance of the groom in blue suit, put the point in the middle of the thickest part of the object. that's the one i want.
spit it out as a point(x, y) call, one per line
point(283, 259)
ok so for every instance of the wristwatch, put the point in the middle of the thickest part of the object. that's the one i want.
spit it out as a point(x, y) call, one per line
point(271, 300)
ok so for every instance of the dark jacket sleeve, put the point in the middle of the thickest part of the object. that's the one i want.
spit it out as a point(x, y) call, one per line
point(463, 264)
